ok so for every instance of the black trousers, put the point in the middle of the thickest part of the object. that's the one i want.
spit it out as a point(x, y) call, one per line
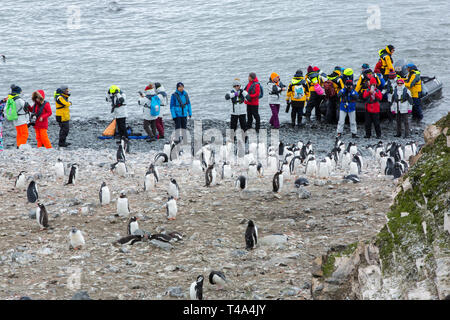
point(150, 123)
point(180, 123)
point(122, 127)
point(402, 117)
point(234, 122)
point(63, 130)
point(314, 103)
point(331, 114)
point(297, 111)
point(252, 112)
point(375, 119)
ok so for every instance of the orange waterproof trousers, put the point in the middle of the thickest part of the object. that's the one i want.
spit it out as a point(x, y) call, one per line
point(22, 134)
point(42, 138)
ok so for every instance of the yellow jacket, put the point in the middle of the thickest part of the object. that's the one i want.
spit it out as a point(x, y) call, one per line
point(312, 79)
point(335, 77)
point(359, 84)
point(290, 94)
point(414, 83)
point(386, 60)
point(62, 106)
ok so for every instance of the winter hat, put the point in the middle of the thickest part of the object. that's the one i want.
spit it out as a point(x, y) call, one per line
point(373, 81)
point(316, 69)
point(365, 66)
point(400, 80)
point(157, 85)
point(16, 90)
point(236, 82)
point(38, 94)
point(390, 47)
point(310, 69)
point(180, 84)
point(252, 75)
point(298, 73)
point(273, 75)
point(337, 68)
point(150, 86)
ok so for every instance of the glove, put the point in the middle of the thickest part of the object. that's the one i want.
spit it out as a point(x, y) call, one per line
point(227, 96)
point(245, 94)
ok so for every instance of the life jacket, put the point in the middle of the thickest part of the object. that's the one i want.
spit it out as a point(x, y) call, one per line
point(382, 64)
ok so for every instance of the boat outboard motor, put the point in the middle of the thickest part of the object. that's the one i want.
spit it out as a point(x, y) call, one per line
point(400, 68)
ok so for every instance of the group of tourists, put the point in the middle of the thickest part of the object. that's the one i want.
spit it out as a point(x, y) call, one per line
point(305, 93)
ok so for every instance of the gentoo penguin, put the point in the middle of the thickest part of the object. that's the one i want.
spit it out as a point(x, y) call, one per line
point(253, 149)
point(354, 167)
point(210, 175)
point(352, 149)
point(166, 150)
point(171, 208)
point(331, 163)
point(378, 149)
point(197, 166)
point(352, 177)
point(132, 225)
point(196, 289)
point(104, 194)
point(76, 239)
point(160, 158)
point(281, 148)
point(241, 183)
point(277, 181)
point(173, 190)
point(131, 239)
point(175, 235)
point(323, 171)
point(398, 170)
point(311, 167)
point(59, 168)
point(42, 216)
point(120, 168)
point(389, 168)
point(345, 160)
point(32, 192)
point(262, 151)
point(123, 207)
point(285, 169)
point(125, 143)
point(405, 166)
point(20, 181)
point(408, 151)
point(301, 182)
point(294, 165)
point(359, 160)
point(226, 171)
point(73, 174)
point(272, 163)
point(217, 277)
point(252, 171)
point(260, 170)
point(161, 237)
point(251, 235)
point(154, 169)
point(151, 178)
point(120, 155)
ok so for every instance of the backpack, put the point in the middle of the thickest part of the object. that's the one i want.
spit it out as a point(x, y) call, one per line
point(298, 91)
point(11, 110)
point(154, 105)
point(329, 88)
point(378, 66)
point(261, 91)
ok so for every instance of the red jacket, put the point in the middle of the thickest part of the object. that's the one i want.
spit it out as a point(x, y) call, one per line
point(254, 95)
point(372, 105)
point(47, 112)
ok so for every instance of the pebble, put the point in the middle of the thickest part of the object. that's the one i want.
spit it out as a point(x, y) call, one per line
point(161, 245)
point(81, 295)
point(274, 239)
point(32, 213)
point(175, 292)
point(239, 253)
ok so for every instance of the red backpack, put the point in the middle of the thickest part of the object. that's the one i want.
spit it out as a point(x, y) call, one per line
point(378, 66)
point(330, 92)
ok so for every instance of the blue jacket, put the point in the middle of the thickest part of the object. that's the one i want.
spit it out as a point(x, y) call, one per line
point(348, 100)
point(178, 110)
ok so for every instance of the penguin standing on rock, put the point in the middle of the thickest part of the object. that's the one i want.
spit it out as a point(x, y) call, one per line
point(59, 168)
point(73, 174)
point(132, 226)
point(32, 192)
point(196, 289)
point(104, 194)
point(174, 189)
point(42, 216)
point(76, 239)
point(123, 207)
point(251, 235)
point(171, 208)
point(217, 277)
point(20, 181)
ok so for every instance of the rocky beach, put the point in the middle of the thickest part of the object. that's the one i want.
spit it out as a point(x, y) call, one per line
point(293, 229)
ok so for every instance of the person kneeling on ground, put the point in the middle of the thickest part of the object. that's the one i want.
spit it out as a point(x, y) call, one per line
point(236, 95)
point(41, 111)
point(401, 107)
point(118, 109)
point(63, 113)
point(275, 87)
point(348, 97)
point(162, 95)
point(372, 97)
point(20, 116)
point(296, 96)
point(180, 107)
point(150, 111)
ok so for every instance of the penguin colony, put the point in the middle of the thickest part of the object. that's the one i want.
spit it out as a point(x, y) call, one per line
point(291, 164)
